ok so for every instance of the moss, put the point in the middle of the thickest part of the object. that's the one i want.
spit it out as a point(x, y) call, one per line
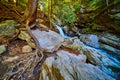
point(7, 28)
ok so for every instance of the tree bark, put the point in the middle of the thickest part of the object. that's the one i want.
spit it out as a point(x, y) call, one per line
point(31, 12)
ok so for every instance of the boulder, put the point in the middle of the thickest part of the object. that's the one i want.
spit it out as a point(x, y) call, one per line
point(25, 36)
point(92, 56)
point(110, 49)
point(48, 41)
point(111, 37)
point(80, 57)
point(7, 28)
point(74, 44)
point(8, 31)
point(68, 67)
point(95, 56)
point(110, 40)
point(90, 40)
point(110, 43)
point(99, 57)
point(65, 29)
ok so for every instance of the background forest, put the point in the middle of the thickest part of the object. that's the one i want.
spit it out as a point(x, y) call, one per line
point(87, 15)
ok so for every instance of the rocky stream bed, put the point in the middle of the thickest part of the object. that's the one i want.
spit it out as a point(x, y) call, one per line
point(89, 57)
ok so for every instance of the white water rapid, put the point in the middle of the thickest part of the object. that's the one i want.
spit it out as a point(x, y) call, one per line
point(114, 64)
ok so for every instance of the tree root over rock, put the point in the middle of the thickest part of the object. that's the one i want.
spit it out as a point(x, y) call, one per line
point(27, 68)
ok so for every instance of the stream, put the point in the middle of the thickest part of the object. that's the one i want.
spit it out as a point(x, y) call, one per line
point(62, 32)
point(113, 69)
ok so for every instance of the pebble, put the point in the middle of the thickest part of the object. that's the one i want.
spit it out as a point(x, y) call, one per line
point(26, 49)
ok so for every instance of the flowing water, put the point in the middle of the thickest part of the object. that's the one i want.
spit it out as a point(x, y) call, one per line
point(114, 64)
point(62, 32)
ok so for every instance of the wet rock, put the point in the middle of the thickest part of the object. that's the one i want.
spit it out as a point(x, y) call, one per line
point(66, 67)
point(98, 58)
point(2, 49)
point(70, 32)
point(65, 29)
point(90, 40)
point(111, 49)
point(95, 56)
point(92, 56)
point(110, 40)
point(26, 49)
point(111, 37)
point(49, 41)
point(110, 43)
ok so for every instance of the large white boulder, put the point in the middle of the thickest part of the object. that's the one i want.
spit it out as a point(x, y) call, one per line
point(49, 40)
point(65, 66)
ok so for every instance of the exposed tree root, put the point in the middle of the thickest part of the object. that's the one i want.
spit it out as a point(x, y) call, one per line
point(29, 66)
point(26, 69)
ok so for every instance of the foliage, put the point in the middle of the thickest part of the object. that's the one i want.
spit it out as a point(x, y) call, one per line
point(23, 1)
point(69, 11)
point(93, 4)
point(65, 10)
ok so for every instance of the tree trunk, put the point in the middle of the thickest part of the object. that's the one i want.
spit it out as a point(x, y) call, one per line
point(31, 12)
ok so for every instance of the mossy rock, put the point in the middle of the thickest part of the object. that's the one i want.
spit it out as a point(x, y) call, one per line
point(7, 28)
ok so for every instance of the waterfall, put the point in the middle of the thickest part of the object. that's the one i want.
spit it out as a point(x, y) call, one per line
point(62, 32)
